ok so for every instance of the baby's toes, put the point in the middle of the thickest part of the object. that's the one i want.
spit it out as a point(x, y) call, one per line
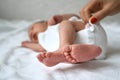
point(40, 58)
point(69, 58)
point(66, 54)
point(43, 55)
point(73, 61)
point(48, 54)
point(67, 48)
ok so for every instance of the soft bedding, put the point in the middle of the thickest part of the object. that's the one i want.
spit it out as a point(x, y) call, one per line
point(18, 63)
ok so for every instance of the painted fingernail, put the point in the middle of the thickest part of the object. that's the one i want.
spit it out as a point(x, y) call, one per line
point(93, 20)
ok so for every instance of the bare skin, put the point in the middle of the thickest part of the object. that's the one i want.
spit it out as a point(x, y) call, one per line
point(70, 53)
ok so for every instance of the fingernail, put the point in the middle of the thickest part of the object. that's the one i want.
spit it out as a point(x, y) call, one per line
point(93, 20)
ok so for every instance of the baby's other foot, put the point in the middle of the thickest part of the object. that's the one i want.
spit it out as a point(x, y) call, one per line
point(51, 58)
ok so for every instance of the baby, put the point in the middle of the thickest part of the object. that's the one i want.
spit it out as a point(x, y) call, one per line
point(66, 38)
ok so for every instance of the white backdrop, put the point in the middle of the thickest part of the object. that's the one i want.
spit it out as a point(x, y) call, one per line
point(35, 9)
point(41, 9)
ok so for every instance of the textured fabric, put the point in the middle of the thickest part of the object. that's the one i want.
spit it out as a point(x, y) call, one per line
point(19, 63)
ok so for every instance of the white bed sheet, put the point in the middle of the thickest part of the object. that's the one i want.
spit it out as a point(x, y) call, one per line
point(17, 63)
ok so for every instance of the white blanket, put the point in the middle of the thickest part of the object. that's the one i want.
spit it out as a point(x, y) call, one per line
point(18, 63)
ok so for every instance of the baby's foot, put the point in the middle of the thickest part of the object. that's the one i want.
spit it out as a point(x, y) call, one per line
point(51, 58)
point(81, 52)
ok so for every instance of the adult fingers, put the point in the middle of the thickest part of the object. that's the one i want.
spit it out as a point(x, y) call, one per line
point(85, 14)
point(87, 10)
point(99, 15)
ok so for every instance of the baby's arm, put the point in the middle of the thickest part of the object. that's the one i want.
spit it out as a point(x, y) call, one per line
point(33, 46)
point(60, 17)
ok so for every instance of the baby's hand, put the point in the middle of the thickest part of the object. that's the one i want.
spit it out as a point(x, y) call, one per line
point(25, 44)
point(52, 21)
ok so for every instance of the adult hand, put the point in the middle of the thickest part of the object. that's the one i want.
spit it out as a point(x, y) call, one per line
point(96, 10)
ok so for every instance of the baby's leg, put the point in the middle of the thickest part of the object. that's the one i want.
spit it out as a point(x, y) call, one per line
point(67, 31)
point(67, 34)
